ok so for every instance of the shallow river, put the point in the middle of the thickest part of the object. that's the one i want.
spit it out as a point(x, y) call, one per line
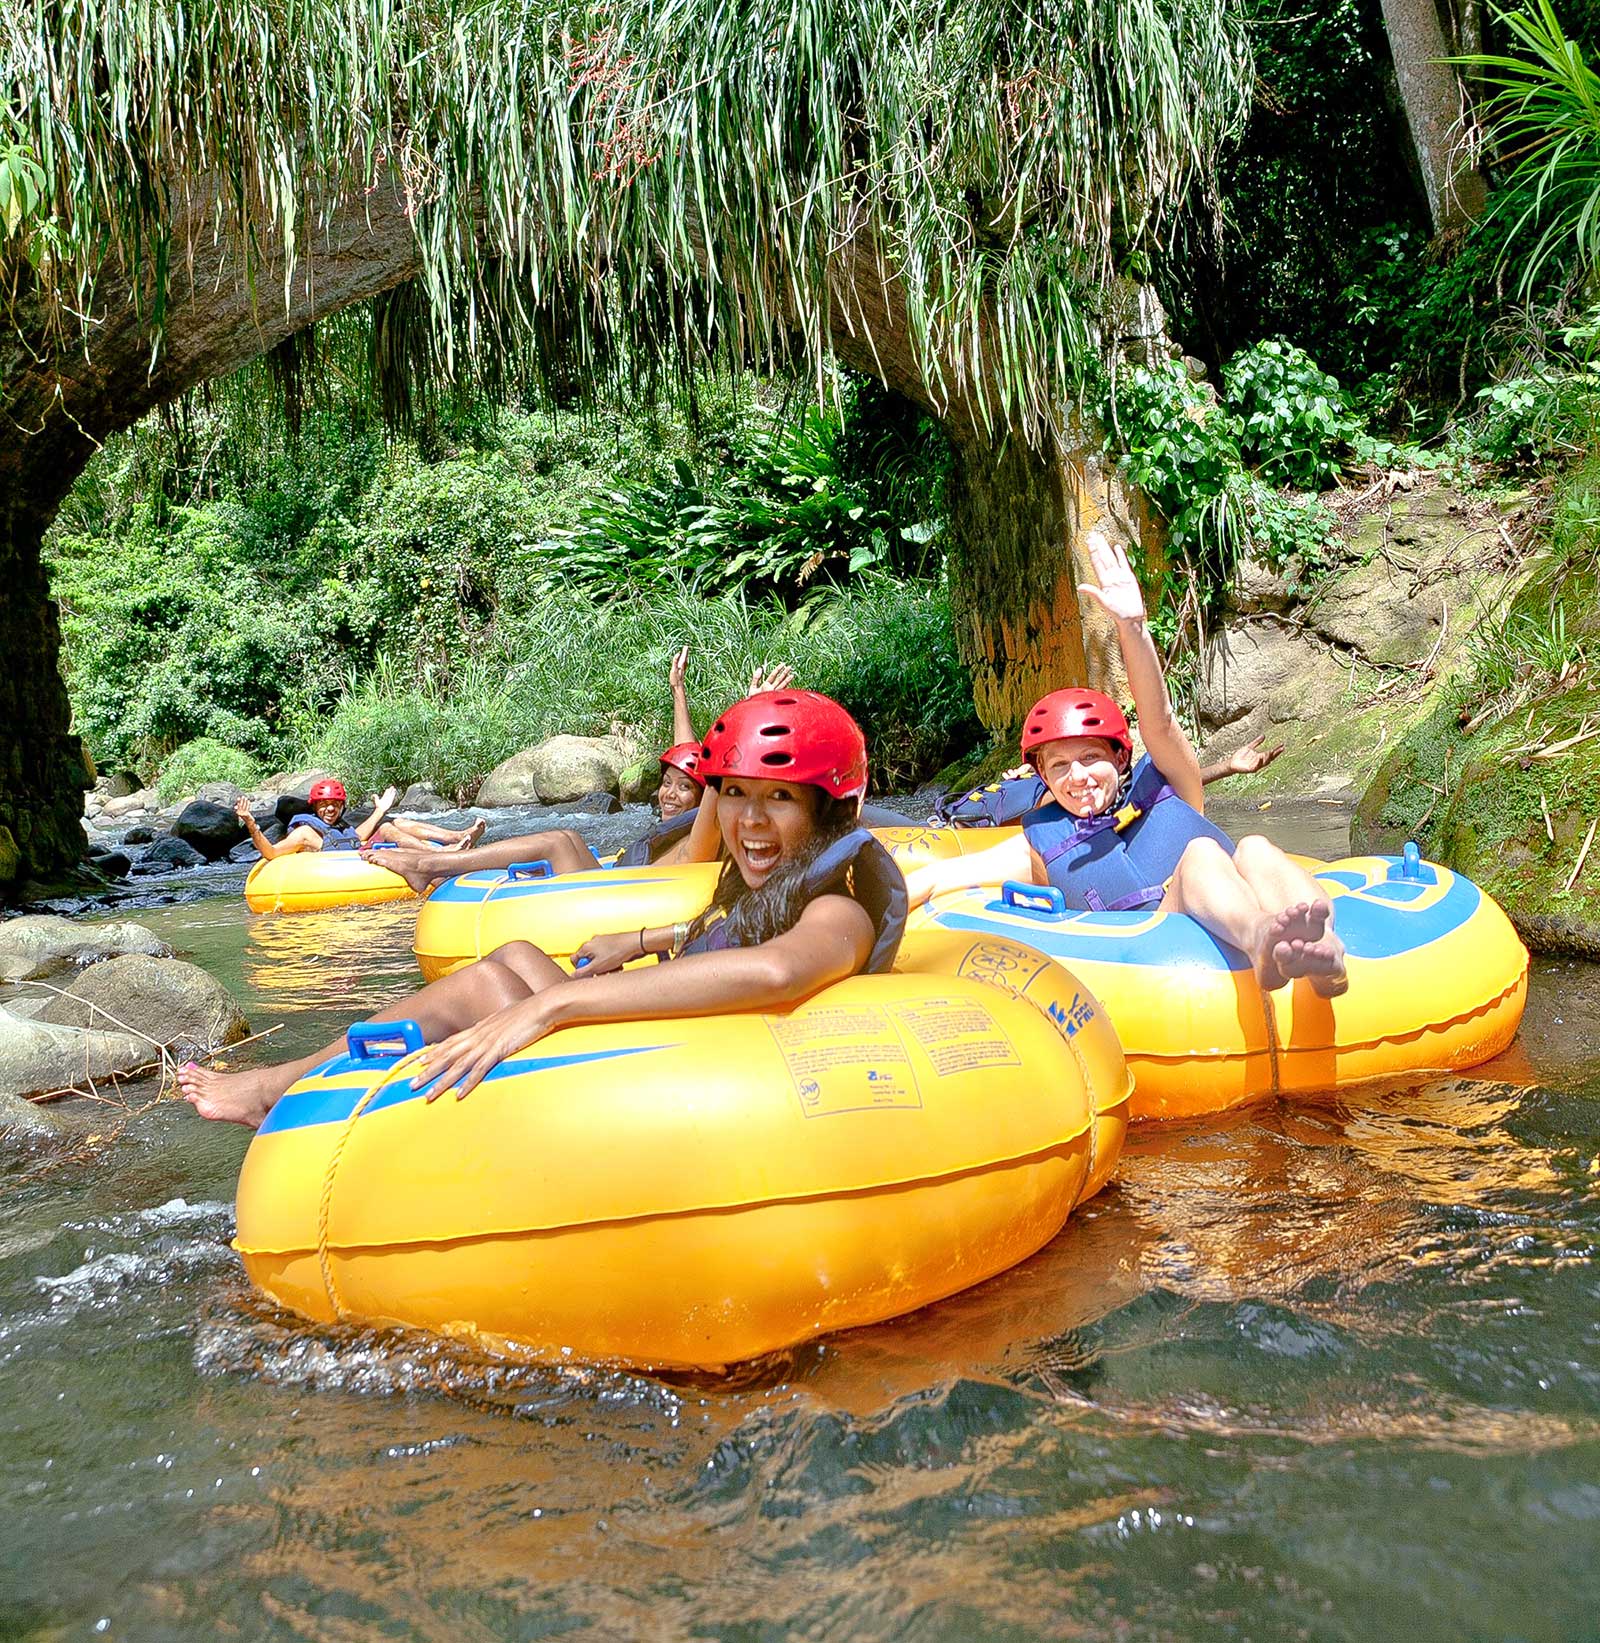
point(1324, 1371)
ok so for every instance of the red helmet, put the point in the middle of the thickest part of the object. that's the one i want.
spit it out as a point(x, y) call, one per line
point(685, 756)
point(327, 788)
point(794, 735)
point(1076, 713)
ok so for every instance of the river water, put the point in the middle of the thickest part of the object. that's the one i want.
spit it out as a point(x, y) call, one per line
point(1328, 1371)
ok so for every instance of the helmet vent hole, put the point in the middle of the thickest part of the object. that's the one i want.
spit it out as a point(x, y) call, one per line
point(776, 730)
point(777, 759)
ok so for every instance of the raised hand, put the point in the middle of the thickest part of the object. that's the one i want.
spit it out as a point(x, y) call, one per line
point(774, 678)
point(241, 808)
point(1118, 594)
point(678, 672)
point(1246, 760)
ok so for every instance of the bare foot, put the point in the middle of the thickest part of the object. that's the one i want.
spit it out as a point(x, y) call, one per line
point(1299, 943)
point(236, 1098)
point(470, 837)
point(416, 867)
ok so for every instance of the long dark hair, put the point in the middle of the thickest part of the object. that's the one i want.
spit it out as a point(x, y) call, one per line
point(755, 916)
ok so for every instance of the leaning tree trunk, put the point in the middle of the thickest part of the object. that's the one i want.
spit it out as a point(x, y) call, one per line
point(1018, 517)
point(1435, 104)
point(58, 404)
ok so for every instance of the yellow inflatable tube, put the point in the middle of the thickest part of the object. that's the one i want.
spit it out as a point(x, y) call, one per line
point(310, 880)
point(468, 917)
point(1438, 980)
point(692, 1193)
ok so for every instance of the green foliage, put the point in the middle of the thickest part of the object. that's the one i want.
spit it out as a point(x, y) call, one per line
point(801, 502)
point(220, 580)
point(1545, 117)
point(1530, 421)
point(205, 759)
point(571, 172)
point(1187, 452)
point(1294, 418)
point(885, 649)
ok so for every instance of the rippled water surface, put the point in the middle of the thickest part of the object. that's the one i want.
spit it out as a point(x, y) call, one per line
point(1325, 1371)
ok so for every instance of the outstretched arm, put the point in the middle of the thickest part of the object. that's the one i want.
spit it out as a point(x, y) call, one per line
point(830, 940)
point(677, 674)
point(1243, 761)
point(1120, 596)
point(259, 839)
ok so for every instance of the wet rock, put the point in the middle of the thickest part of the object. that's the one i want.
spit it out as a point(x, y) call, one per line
point(245, 854)
point(212, 829)
point(37, 1057)
point(25, 1122)
point(591, 804)
point(10, 856)
point(41, 944)
point(177, 1004)
point(139, 833)
point(420, 799)
point(115, 864)
point(170, 852)
point(556, 771)
point(147, 868)
point(120, 784)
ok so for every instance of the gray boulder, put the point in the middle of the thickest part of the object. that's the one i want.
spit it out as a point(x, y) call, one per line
point(420, 799)
point(224, 793)
point(115, 864)
point(40, 944)
point(179, 1005)
point(140, 833)
point(1259, 675)
point(38, 1057)
point(556, 771)
point(119, 785)
point(132, 804)
point(212, 829)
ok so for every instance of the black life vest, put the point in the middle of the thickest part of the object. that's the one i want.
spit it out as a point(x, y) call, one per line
point(661, 837)
point(857, 866)
point(1122, 859)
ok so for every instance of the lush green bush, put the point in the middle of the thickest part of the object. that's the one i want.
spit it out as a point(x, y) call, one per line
point(884, 648)
point(1295, 420)
point(205, 760)
point(1187, 452)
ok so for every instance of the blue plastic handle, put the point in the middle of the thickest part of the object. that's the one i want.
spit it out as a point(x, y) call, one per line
point(382, 1040)
point(1411, 868)
point(1043, 900)
point(529, 870)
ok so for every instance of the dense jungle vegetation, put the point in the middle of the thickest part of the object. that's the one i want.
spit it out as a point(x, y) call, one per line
point(309, 562)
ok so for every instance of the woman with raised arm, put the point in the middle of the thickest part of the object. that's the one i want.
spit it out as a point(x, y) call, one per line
point(1118, 836)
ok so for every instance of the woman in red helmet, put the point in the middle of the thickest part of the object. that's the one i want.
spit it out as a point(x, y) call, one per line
point(1120, 836)
point(321, 826)
point(807, 897)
